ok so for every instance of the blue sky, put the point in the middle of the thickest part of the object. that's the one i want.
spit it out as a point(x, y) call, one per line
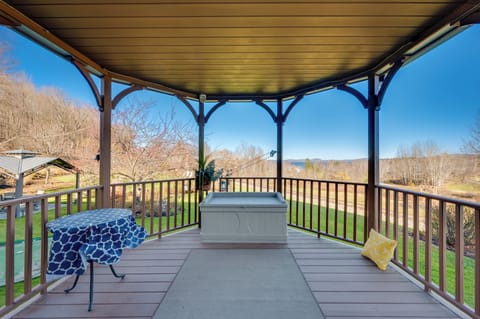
point(435, 98)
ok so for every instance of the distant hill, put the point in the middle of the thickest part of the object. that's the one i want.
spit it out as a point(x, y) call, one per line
point(301, 162)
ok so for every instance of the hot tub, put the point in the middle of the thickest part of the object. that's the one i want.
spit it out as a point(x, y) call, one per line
point(244, 217)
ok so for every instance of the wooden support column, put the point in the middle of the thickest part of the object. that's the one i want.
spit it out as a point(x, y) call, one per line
point(377, 86)
point(373, 154)
point(201, 141)
point(279, 121)
point(106, 141)
point(18, 193)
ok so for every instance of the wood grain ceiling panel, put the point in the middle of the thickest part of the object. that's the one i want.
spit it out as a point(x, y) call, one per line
point(238, 47)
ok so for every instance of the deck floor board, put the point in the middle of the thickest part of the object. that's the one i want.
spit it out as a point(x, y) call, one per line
point(345, 284)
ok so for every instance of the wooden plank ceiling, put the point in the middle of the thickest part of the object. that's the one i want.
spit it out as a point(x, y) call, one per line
point(239, 48)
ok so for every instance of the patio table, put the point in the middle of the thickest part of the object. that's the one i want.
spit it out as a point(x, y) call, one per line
point(98, 235)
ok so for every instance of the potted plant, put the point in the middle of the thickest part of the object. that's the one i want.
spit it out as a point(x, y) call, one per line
point(206, 174)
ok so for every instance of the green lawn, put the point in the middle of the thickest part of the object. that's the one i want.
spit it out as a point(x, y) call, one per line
point(469, 268)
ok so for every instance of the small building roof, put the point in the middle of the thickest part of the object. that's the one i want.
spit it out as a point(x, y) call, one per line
point(29, 164)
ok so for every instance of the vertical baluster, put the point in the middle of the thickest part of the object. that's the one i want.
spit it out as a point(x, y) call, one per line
point(416, 237)
point(428, 243)
point(79, 202)
point(183, 202)
point(58, 206)
point(175, 204)
point(44, 244)
point(296, 201)
point(152, 206)
point(10, 256)
point(304, 223)
point(28, 256)
point(311, 205)
point(380, 212)
point(124, 196)
point(319, 207)
point(442, 246)
point(134, 199)
point(167, 210)
point(114, 193)
point(459, 253)
point(336, 210)
point(395, 221)
point(327, 215)
point(290, 203)
point(89, 199)
point(160, 200)
point(69, 203)
point(144, 203)
point(190, 201)
point(387, 213)
point(365, 225)
point(345, 208)
point(405, 230)
point(355, 211)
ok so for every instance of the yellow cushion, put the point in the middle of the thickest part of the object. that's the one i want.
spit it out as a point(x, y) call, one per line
point(379, 249)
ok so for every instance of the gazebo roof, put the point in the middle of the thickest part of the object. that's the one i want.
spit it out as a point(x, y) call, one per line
point(26, 165)
point(238, 49)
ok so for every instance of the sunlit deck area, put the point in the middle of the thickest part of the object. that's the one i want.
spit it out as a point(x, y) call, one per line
point(342, 282)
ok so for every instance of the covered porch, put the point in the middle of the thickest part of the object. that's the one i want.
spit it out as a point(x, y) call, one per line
point(273, 54)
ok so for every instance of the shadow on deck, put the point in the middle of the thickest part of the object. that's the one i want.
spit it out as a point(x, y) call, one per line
point(344, 284)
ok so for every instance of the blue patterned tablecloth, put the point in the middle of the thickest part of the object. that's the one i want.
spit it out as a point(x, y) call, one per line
point(99, 235)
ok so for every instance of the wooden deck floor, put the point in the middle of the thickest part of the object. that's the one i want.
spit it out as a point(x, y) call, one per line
point(345, 284)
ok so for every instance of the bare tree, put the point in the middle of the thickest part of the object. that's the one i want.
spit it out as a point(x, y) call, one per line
point(423, 164)
point(146, 145)
point(472, 145)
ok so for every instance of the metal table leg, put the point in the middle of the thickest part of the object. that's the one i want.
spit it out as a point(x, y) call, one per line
point(90, 297)
point(74, 285)
point(115, 273)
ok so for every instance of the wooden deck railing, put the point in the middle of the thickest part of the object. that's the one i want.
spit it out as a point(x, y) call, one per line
point(439, 242)
point(309, 201)
point(329, 208)
point(23, 232)
point(175, 201)
point(436, 245)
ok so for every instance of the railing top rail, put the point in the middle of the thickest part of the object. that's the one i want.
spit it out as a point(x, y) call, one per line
point(327, 181)
point(452, 200)
point(152, 181)
point(47, 195)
